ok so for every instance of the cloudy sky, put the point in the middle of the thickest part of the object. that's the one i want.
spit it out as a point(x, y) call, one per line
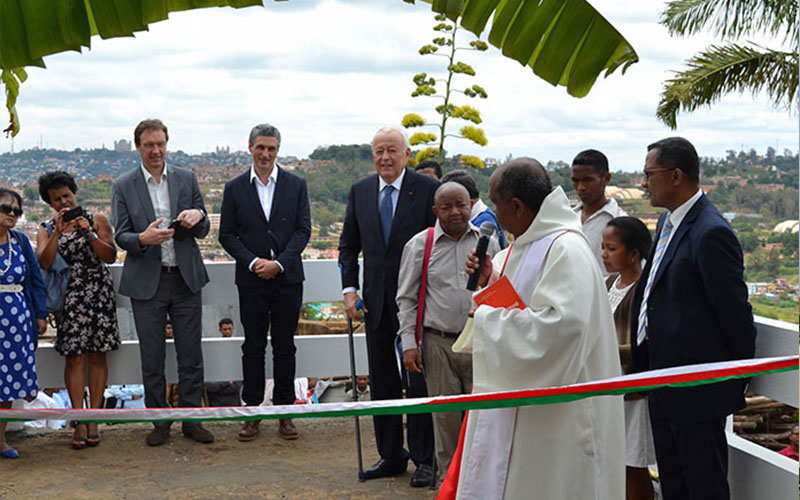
point(333, 71)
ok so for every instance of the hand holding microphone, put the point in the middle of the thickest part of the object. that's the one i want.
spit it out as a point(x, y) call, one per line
point(476, 262)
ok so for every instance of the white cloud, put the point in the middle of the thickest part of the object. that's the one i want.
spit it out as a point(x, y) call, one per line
point(332, 72)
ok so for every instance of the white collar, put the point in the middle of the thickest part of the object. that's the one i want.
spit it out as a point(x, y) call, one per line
point(148, 175)
point(478, 208)
point(610, 208)
point(273, 176)
point(677, 215)
point(397, 183)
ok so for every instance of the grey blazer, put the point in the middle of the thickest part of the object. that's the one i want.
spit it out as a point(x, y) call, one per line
point(133, 212)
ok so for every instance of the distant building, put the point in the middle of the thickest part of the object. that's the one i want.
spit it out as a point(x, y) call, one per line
point(624, 193)
point(122, 146)
point(787, 225)
point(222, 151)
point(769, 188)
point(490, 162)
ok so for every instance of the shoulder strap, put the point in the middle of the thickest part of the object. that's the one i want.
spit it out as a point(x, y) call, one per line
point(423, 284)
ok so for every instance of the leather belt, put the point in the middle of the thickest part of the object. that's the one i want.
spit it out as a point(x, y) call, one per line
point(169, 269)
point(6, 288)
point(449, 335)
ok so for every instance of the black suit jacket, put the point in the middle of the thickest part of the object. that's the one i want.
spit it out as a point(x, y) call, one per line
point(245, 233)
point(362, 233)
point(697, 313)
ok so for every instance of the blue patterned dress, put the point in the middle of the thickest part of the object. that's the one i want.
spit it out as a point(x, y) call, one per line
point(17, 370)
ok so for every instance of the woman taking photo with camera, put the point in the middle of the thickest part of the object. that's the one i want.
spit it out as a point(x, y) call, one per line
point(87, 321)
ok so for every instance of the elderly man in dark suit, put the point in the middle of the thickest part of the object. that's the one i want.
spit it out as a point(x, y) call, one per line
point(383, 212)
point(690, 307)
point(265, 225)
point(158, 214)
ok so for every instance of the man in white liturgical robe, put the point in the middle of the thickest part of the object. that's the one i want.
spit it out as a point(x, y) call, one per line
point(564, 335)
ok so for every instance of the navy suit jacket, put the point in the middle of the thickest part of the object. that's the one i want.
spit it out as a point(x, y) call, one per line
point(362, 233)
point(697, 313)
point(245, 233)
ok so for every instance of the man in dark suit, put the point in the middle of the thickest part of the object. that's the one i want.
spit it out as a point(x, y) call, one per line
point(690, 307)
point(383, 212)
point(163, 272)
point(265, 225)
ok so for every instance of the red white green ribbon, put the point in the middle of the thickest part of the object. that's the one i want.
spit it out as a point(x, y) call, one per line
point(683, 376)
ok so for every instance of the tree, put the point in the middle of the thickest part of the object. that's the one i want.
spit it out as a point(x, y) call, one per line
point(564, 43)
point(731, 67)
point(426, 87)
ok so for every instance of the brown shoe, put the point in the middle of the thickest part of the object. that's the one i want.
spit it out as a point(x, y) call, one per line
point(249, 431)
point(198, 433)
point(158, 436)
point(287, 430)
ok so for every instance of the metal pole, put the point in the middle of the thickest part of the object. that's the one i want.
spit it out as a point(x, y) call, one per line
point(355, 394)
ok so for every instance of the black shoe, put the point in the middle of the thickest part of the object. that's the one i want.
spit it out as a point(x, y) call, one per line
point(422, 477)
point(385, 468)
point(158, 436)
point(198, 433)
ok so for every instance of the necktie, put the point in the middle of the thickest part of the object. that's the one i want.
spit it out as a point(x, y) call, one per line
point(661, 247)
point(386, 212)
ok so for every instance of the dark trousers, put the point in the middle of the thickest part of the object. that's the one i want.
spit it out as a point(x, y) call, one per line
point(692, 457)
point(172, 297)
point(386, 383)
point(273, 309)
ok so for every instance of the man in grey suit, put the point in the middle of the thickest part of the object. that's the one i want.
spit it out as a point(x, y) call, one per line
point(158, 214)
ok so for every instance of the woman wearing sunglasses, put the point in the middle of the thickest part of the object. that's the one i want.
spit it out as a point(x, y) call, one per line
point(23, 312)
point(87, 323)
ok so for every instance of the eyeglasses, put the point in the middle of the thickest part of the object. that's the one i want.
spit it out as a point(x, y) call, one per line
point(8, 210)
point(648, 173)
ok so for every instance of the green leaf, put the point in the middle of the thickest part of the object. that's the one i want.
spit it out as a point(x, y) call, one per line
point(565, 42)
point(720, 70)
point(32, 29)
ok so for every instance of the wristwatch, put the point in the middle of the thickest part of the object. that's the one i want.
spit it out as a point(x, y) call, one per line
point(92, 236)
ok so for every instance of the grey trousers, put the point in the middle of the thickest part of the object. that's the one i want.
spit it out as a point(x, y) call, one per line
point(446, 373)
point(172, 297)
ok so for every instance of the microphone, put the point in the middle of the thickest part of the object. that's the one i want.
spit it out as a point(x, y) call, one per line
point(487, 229)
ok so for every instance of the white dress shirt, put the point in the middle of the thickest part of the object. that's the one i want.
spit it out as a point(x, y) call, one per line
point(159, 196)
point(594, 225)
point(266, 193)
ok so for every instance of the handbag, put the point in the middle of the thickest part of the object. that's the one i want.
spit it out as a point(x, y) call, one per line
point(56, 278)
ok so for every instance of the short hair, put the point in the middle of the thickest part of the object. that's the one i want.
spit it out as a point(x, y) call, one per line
point(9, 193)
point(148, 124)
point(402, 132)
point(228, 321)
point(463, 178)
point(430, 164)
point(592, 158)
point(524, 179)
point(264, 130)
point(55, 180)
point(633, 234)
point(677, 152)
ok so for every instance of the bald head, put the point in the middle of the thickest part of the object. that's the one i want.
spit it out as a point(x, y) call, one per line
point(452, 208)
point(518, 189)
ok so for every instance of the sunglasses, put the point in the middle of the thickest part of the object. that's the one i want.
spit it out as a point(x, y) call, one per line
point(8, 210)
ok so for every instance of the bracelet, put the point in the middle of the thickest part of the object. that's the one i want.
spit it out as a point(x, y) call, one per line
point(93, 236)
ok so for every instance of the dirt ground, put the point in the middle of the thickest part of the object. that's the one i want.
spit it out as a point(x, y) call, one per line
point(321, 464)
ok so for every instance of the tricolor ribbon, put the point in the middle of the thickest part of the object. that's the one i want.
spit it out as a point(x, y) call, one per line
point(682, 376)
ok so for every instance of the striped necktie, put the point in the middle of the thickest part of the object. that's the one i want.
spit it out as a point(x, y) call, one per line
point(661, 247)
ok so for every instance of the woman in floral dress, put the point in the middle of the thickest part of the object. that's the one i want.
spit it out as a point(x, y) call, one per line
point(22, 312)
point(87, 323)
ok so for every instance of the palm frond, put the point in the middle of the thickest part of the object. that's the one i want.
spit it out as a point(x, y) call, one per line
point(732, 18)
point(720, 70)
